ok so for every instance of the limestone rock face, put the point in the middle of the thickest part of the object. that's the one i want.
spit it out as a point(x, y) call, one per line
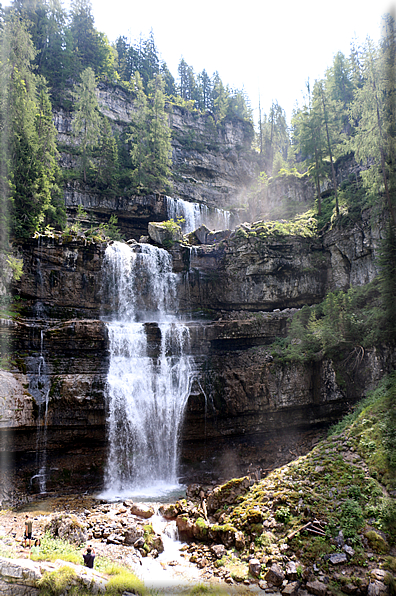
point(240, 394)
point(16, 403)
point(211, 164)
point(247, 273)
point(354, 253)
point(62, 274)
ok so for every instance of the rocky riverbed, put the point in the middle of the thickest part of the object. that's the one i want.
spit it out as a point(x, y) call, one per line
point(321, 524)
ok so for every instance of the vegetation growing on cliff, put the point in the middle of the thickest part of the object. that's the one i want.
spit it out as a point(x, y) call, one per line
point(347, 115)
point(342, 323)
point(336, 501)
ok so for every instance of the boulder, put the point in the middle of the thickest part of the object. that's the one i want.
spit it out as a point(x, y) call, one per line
point(240, 542)
point(67, 527)
point(275, 575)
point(132, 534)
point(227, 493)
point(291, 589)
point(254, 567)
point(169, 511)
point(219, 550)
point(316, 587)
point(291, 571)
point(338, 558)
point(218, 236)
point(377, 588)
point(144, 511)
point(164, 234)
point(201, 234)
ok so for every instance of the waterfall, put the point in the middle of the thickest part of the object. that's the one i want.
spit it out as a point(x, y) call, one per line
point(150, 371)
point(39, 387)
point(196, 215)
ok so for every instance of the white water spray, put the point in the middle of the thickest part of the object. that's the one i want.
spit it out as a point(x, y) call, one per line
point(150, 372)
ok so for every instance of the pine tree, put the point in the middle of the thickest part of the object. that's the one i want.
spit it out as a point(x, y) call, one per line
point(374, 109)
point(108, 166)
point(150, 137)
point(139, 134)
point(28, 152)
point(159, 136)
point(219, 98)
point(91, 48)
point(309, 141)
point(87, 120)
point(206, 89)
point(330, 121)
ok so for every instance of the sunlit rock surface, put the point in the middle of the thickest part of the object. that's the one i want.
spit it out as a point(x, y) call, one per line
point(251, 288)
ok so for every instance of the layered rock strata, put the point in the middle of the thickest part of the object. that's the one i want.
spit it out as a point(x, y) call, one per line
point(240, 397)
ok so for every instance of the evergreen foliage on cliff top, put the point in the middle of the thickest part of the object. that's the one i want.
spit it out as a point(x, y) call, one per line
point(348, 116)
point(350, 112)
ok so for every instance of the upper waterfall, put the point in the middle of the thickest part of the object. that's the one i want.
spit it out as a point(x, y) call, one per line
point(196, 214)
point(150, 371)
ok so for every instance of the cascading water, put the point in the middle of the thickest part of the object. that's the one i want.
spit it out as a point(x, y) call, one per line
point(150, 371)
point(39, 387)
point(196, 215)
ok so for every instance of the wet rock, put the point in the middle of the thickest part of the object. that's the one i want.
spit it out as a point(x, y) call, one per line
point(316, 587)
point(377, 588)
point(133, 534)
point(143, 511)
point(169, 511)
point(219, 550)
point(139, 543)
point(275, 575)
point(291, 589)
point(155, 543)
point(338, 558)
point(254, 567)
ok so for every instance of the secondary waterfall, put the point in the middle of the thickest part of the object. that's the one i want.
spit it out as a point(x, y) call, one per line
point(150, 371)
point(196, 214)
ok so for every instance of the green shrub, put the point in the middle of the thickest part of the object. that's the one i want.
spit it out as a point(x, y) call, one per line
point(352, 519)
point(61, 581)
point(123, 580)
point(283, 514)
point(55, 548)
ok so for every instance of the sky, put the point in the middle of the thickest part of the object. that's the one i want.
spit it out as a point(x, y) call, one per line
point(268, 48)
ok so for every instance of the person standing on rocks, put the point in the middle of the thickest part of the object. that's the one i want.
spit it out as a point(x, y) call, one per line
point(89, 557)
point(28, 530)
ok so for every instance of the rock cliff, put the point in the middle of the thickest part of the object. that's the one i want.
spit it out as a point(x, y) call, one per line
point(240, 397)
point(212, 164)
